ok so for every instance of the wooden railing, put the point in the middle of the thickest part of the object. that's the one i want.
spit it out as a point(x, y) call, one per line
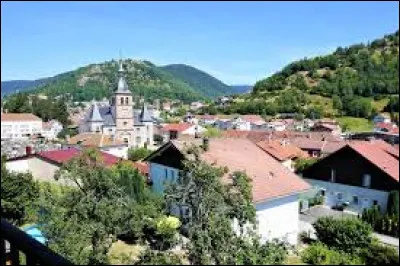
point(15, 242)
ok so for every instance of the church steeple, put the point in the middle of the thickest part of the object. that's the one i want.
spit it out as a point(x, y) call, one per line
point(122, 86)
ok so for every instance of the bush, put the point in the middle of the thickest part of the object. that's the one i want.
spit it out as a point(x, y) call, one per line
point(385, 224)
point(343, 234)
point(320, 254)
point(377, 254)
point(166, 232)
point(138, 154)
point(393, 203)
point(151, 257)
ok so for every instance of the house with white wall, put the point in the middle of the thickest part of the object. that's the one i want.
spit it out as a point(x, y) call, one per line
point(51, 129)
point(173, 131)
point(43, 165)
point(275, 188)
point(20, 125)
point(105, 143)
point(359, 175)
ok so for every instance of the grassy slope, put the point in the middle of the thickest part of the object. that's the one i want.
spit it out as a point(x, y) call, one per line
point(355, 124)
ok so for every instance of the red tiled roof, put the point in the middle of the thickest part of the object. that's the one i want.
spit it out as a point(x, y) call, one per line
point(252, 118)
point(176, 127)
point(281, 151)
point(376, 154)
point(142, 167)
point(270, 179)
point(63, 156)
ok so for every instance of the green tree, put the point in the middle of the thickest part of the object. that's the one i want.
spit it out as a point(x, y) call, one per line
point(136, 154)
point(212, 206)
point(347, 234)
point(18, 194)
point(83, 223)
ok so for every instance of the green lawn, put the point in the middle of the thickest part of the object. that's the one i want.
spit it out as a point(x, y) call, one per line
point(355, 124)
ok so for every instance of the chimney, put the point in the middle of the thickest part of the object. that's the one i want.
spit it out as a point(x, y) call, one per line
point(28, 150)
point(205, 144)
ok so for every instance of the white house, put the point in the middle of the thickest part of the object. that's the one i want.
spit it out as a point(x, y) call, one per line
point(276, 126)
point(196, 106)
point(17, 126)
point(207, 120)
point(173, 131)
point(224, 123)
point(359, 175)
point(105, 143)
point(275, 189)
point(381, 118)
point(51, 129)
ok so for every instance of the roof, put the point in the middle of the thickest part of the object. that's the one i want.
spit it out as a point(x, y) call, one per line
point(376, 154)
point(63, 156)
point(89, 139)
point(179, 127)
point(145, 114)
point(281, 150)
point(94, 114)
point(122, 86)
point(19, 117)
point(270, 179)
point(253, 118)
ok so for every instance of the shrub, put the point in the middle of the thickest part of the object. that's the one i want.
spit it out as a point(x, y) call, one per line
point(385, 224)
point(343, 234)
point(166, 232)
point(138, 154)
point(393, 203)
point(320, 254)
point(377, 254)
point(152, 257)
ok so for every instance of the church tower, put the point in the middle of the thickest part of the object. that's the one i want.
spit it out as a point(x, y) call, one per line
point(123, 104)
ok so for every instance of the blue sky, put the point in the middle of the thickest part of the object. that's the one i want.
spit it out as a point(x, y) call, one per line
point(237, 42)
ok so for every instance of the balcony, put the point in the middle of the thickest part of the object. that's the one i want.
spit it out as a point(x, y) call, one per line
point(17, 246)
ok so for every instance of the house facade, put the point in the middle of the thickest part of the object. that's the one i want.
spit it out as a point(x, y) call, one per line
point(359, 175)
point(119, 119)
point(51, 129)
point(103, 142)
point(20, 125)
point(275, 189)
point(174, 131)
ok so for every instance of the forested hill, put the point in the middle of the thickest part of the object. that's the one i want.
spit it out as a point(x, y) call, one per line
point(203, 82)
point(363, 70)
point(359, 81)
point(144, 79)
point(12, 86)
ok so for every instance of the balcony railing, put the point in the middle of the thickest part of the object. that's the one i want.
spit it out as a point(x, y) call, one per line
point(15, 241)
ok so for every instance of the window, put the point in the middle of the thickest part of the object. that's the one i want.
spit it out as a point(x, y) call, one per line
point(339, 196)
point(355, 200)
point(333, 175)
point(166, 173)
point(125, 123)
point(126, 140)
point(172, 173)
point(366, 182)
point(138, 140)
point(322, 192)
point(375, 202)
point(126, 100)
point(110, 130)
point(122, 101)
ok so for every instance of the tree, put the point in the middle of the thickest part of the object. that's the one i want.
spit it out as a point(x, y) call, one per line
point(136, 154)
point(347, 234)
point(212, 207)
point(18, 194)
point(393, 203)
point(82, 224)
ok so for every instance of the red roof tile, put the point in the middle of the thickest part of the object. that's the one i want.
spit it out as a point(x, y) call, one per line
point(270, 179)
point(19, 117)
point(281, 150)
point(63, 156)
point(379, 156)
point(176, 127)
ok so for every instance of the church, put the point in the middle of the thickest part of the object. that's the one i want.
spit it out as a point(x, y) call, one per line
point(119, 119)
